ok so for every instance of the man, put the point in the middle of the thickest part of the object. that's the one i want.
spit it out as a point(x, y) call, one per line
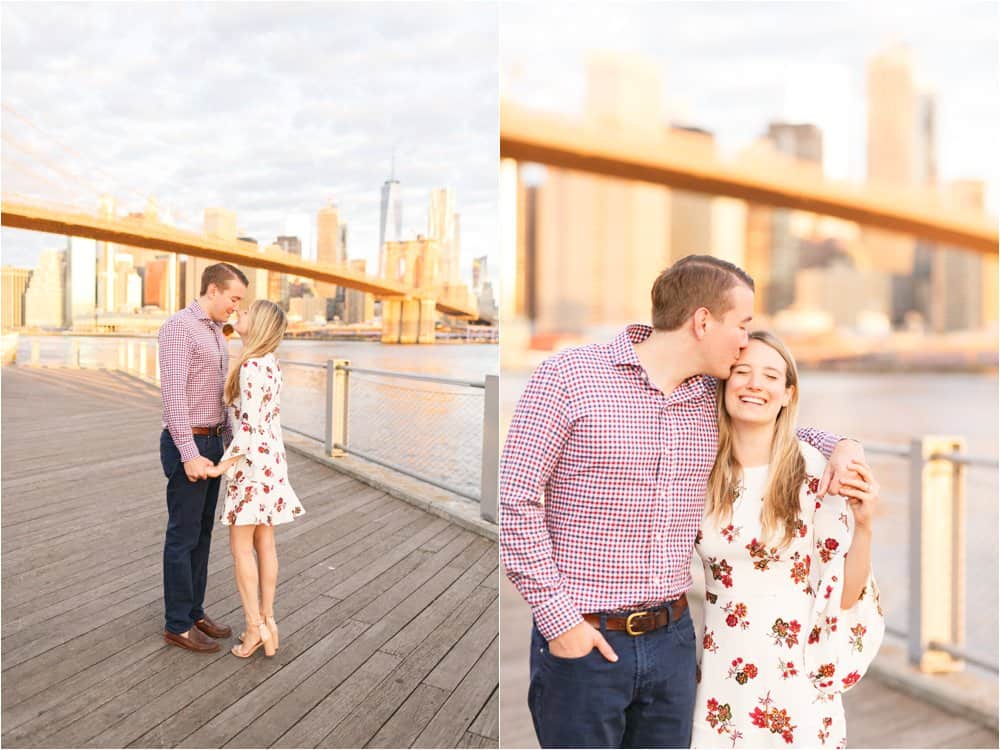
point(194, 361)
point(621, 438)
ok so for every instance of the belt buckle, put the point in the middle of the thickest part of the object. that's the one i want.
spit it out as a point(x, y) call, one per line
point(628, 623)
point(217, 430)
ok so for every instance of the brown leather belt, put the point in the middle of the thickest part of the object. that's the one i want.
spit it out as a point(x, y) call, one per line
point(217, 430)
point(644, 621)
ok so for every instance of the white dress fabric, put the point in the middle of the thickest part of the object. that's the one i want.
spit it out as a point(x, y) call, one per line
point(258, 490)
point(778, 649)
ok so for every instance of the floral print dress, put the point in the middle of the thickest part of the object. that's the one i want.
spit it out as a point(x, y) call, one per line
point(778, 649)
point(258, 491)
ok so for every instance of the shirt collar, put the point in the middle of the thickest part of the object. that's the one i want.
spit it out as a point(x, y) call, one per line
point(196, 310)
point(622, 351)
point(621, 347)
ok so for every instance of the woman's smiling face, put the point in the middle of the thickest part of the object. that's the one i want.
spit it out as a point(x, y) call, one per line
point(756, 390)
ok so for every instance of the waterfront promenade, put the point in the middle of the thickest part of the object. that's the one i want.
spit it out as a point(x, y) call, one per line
point(388, 614)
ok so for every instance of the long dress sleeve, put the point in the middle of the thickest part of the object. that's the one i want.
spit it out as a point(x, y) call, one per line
point(841, 643)
point(249, 424)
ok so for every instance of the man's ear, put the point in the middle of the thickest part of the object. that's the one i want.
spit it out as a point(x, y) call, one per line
point(699, 320)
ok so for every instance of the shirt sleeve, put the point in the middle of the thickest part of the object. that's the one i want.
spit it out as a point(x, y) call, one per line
point(176, 348)
point(249, 426)
point(537, 434)
point(842, 642)
point(824, 442)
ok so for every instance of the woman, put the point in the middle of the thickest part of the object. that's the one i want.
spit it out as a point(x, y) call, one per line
point(792, 617)
point(259, 496)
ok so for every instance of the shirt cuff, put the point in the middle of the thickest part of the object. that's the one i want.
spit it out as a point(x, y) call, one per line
point(189, 451)
point(556, 616)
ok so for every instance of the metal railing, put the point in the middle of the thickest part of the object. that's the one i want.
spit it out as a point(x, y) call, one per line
point(429, 434)
point(935, 616)
point(471, 471)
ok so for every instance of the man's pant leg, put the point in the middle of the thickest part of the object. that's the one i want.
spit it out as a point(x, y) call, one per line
point(662, 713)
point(211, 448)
point(185, 509)
point(579, 702)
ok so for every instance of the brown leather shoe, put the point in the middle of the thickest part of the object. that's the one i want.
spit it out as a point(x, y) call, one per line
point(193, 640)
point(213, 629)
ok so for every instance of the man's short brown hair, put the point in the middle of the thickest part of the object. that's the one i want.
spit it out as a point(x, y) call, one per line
point(693, 282)
point(221, 274)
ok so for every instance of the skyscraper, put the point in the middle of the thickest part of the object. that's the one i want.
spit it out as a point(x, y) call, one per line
point(106, 260)
point(390, 225)
point(441, 227)
point(81, 282)
point(892, 147)
point(219, 224)
point(328, 247)
point(44, 303)
point(15, 284)
point(802, 142)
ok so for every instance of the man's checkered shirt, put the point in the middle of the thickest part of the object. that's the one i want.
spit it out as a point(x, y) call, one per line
point(623, 469)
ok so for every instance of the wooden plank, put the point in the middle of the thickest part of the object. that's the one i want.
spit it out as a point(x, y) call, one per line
point(418, 709)
point(453, 668)
point(465, 703)
point(487, 724)
point(354, 691)
point(365, 721)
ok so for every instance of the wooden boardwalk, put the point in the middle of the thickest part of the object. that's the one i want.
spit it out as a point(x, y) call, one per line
point(388, 614)
point(877, 716)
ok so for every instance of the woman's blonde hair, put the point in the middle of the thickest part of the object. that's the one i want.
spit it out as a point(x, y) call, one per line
point(264, 333)
point(780, 511)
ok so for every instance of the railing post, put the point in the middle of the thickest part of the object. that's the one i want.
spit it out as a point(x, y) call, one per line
point(122, 362)
point(74, 354)
point(130, 357)
point(489, 481)
point(337, 393)
point(36, 353)
point(937, 553)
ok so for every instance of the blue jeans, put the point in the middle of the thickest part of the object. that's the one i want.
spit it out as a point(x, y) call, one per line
point(645, 699)
point(190, 516)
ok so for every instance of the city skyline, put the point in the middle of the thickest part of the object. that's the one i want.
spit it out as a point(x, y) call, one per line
point(256, 142)
point(809, 68)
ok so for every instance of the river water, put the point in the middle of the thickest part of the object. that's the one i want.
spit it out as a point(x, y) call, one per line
point(432, 429)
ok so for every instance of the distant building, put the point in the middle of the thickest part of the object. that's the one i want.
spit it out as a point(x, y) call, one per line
point(957, 276)
point(845, 293)
point(359, 306)
point(310, 310)
point(15, 284)
point(328, 247)
point(81, 282)
point(892, 147)
point(390, 225)
point(44, 303)
point(441, 226)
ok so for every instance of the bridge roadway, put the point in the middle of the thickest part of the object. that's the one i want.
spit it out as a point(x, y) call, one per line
point(673, 160)
point(244, 254)
point(388, 614)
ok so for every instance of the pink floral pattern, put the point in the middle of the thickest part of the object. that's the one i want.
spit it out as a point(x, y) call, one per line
point(778, 651)
point(258, 491)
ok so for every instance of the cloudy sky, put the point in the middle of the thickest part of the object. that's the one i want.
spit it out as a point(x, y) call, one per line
point(733, 67)
point(269, 110)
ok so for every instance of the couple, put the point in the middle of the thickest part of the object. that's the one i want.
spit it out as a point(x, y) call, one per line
point(196, 387)
point(671, 438)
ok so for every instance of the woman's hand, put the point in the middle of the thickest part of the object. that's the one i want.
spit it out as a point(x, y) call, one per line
point(862, 494)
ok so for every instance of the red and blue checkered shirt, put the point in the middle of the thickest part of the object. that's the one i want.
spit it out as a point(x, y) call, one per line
point(623, 469)
point(194, 361)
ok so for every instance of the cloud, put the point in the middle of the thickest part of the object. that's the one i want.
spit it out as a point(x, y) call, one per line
point(266, 109)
